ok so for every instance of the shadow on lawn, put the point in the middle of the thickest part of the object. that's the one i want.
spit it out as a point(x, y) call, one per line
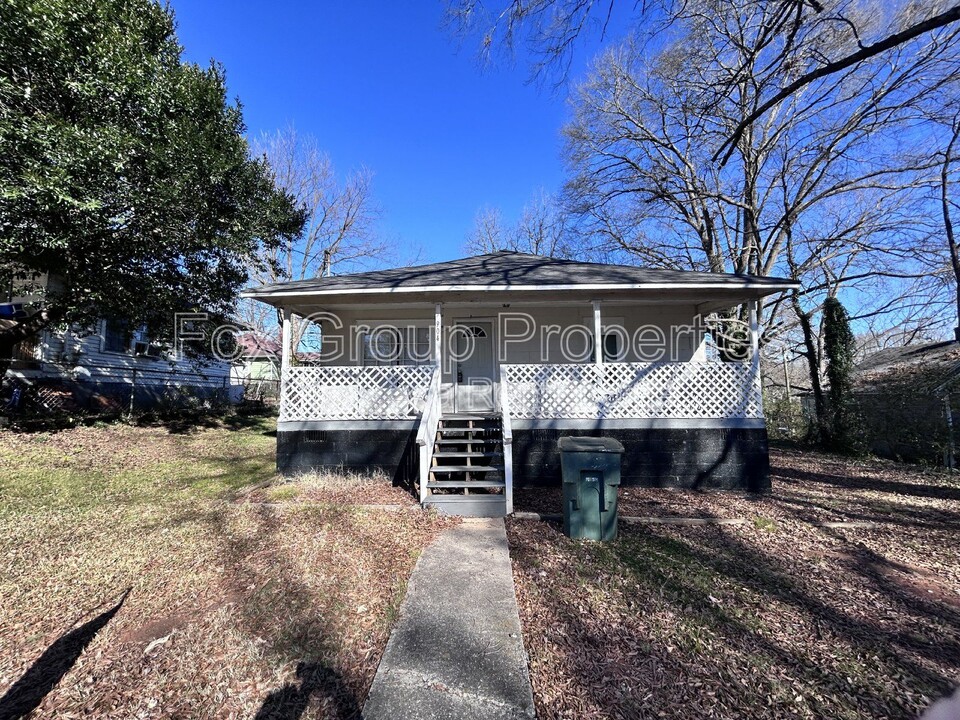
point(874, 665)
point(304, 632)
point(889, 513)
point(188, 421)
point(29, 691)
point(316, 679)
point(939, 492)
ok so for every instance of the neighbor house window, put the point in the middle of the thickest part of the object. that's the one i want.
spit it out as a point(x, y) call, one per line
point(26, 349)
point(116, 336)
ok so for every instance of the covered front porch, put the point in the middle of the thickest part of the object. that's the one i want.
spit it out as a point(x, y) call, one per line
point(464, 423)
point(461, 389)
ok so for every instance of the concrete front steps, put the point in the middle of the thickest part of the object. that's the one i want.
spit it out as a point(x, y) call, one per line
point(466, 477)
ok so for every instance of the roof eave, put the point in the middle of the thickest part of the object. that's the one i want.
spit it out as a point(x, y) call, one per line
point(765, 288)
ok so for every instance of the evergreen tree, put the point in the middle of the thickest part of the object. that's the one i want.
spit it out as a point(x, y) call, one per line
point(126, 186)
point(839, 433)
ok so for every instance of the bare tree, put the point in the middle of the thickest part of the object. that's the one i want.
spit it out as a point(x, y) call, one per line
point(488, 234)
point(340, 235)
point(542, 229)
point(948, 205)
point(824, 189)
point(550, 31)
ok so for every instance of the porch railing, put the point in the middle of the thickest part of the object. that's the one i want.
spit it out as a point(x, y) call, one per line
point(395, 392)
point(427, 432)
point(507, 447)
point(634, 390)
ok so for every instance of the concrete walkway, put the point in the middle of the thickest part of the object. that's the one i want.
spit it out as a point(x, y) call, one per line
point(456, 651)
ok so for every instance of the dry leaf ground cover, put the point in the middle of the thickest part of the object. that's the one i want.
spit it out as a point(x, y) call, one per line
point(776, 618)
point(237, 608)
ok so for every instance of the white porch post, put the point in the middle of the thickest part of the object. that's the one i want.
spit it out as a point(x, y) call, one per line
point(756, 384)
point(437, 332)
point(285, 334)
point(597, 334)
point(754, 328)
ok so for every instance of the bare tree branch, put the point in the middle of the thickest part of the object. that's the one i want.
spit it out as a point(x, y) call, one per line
point(724, 152)
point(340, 234)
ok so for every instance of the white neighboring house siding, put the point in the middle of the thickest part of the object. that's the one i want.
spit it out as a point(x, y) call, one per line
point(56, 354)
point(60, 354)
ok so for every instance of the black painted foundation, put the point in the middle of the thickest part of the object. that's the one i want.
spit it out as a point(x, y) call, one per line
point(393, 452)
point(696, 458)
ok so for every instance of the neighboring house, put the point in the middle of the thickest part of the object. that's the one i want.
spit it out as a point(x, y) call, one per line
point(461, 376)
point(111, 367)
point(907, 401)
point(256, 370)
point(258, 358)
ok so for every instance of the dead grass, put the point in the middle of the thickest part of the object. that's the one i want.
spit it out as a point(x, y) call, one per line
point(776, 618)
point(237, 608)
point(343, 488)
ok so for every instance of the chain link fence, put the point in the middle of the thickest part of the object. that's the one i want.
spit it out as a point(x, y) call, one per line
point(117, 391)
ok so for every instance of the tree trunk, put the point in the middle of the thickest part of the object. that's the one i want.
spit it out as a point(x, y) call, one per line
point(820, 429)
point(947, 222)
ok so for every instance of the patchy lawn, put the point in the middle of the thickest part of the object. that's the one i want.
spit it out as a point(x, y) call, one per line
point(238, 608)
point(340, 488)
point(775, 618)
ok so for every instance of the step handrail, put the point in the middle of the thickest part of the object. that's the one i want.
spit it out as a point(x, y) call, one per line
point(507, 435)
point(427, 432)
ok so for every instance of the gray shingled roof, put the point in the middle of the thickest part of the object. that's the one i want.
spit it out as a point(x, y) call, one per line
point(927, 366)
point(507, 270)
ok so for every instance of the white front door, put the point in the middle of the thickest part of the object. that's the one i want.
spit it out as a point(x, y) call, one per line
point(475, 371)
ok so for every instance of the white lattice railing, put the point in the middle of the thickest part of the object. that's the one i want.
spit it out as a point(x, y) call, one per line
point(340, 392)
point(634, 390)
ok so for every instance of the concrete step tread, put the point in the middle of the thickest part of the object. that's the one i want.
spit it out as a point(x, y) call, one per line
point(462, 441)
point(457, 416)
point(476, 506)
point(467, 499)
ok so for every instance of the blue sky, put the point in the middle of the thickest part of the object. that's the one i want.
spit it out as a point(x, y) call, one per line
point(385, 86)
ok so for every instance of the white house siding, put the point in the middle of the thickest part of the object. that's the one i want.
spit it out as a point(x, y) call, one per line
point(82, 358)
point(629, 317)
point(540, 349)
point(58, 354)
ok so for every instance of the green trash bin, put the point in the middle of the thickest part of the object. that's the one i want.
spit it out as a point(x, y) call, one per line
point(591, 475)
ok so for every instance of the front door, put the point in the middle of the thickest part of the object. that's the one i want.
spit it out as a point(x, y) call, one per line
point(475, 377)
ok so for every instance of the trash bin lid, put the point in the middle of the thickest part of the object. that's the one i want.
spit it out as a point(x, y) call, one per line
point(590, 444)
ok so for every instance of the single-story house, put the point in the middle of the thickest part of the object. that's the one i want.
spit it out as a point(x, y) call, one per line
point(460, 377)
point(907, 401)
point(256, 369)
point(109, 367)
point(258, 357)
